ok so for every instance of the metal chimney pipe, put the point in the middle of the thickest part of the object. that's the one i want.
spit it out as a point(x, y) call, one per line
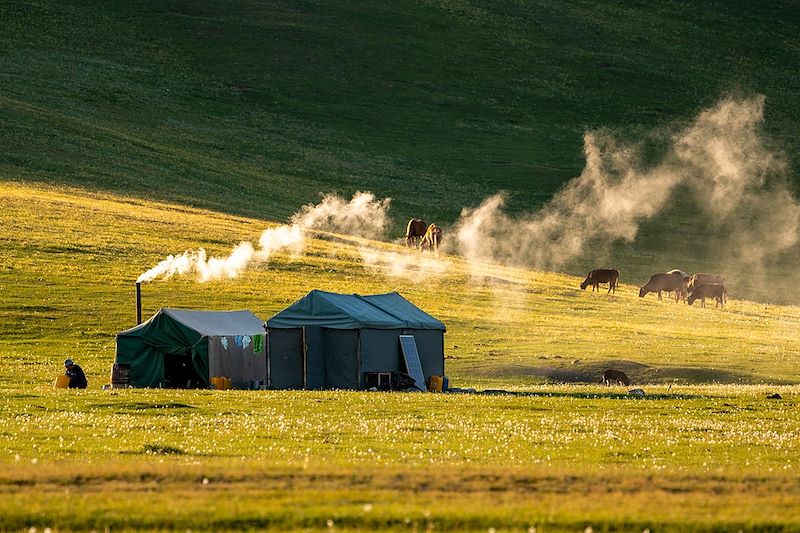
point(138, 303)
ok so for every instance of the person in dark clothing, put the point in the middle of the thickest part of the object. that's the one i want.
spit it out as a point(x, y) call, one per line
point(77, 379)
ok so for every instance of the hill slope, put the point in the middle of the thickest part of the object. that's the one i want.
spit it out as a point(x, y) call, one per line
point(72, 257)
point(255, 108)
point(151, 97)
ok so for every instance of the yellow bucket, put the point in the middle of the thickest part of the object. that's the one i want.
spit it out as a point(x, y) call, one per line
point(435, 384)
point(220, 383)
point(61, 382)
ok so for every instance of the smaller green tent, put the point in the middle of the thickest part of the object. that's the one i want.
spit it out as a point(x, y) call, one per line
point(180, 348)
point(329, 340)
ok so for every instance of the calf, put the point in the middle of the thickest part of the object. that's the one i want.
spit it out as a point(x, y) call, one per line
point(602, 275)
point(615, 376)
point(708, 290)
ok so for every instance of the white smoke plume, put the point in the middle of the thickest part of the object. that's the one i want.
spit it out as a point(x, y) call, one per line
point(410, 264)
point(721, 158)
point(362, 216)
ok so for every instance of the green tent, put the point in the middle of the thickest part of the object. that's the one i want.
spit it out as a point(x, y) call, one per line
point(329, 340)
point(179, 348)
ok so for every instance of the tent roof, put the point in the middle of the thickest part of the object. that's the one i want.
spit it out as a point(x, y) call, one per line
point(352, 311)
point(210, 323)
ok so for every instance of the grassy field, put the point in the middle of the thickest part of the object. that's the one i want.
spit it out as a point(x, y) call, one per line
point(72, 257)
point(133, 130)
point(559, 458)
point(550, 456)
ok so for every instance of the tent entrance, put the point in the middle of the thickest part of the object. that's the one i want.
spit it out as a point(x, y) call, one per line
point(286, 359)
point(179, 372)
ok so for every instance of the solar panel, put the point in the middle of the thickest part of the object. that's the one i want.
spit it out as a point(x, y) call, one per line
point(411, 356)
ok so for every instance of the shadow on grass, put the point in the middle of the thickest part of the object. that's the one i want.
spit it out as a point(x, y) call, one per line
point(156, 449)
point(589, 372)
point(144, 406)
point(592, 395)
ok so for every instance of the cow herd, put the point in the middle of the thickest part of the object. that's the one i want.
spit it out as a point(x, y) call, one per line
point(687, 288)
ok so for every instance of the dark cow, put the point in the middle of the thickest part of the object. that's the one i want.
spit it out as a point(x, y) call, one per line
point(432, 238)
point(615, 376)
point(602, 275)
point(415, 229)
point(663, 282)
point(708, 290)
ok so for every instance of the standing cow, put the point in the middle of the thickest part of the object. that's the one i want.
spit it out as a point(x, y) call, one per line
point(663, 282)
point(615, 376)
point(432, 239)
point(703, 279)
point(415, 229)
point(602, 275)
point(684, 289)
point(708, 290)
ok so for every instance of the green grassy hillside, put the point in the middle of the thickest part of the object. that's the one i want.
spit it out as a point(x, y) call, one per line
point(255, 107)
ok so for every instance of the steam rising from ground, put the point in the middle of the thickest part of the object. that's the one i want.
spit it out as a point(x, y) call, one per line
point(362, 216)
point(721, 158)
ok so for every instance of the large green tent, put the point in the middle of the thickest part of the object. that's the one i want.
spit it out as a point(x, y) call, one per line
point(180, 348)
point(329, 340)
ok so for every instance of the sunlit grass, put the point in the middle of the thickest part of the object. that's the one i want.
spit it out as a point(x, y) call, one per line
point(555, 457)
point(551, 456)
point(71, 258)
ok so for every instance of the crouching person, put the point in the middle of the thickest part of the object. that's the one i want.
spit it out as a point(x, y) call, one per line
point(77, 379)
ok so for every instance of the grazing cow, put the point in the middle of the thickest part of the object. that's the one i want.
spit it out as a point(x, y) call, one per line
point(432, 239)
point(415, 229)
point(685, 288)
point(702, 279)
point(602, 275)
point(663, 282)
point(615, 376)
point(708, 290)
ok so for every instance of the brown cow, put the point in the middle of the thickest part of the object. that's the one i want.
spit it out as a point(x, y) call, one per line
point(663, 282)
point(432, 239)
point(702, 279)
point(615, 376)
point(708, 290)
point(415, 229)
point(602, 275)
point(681, 295)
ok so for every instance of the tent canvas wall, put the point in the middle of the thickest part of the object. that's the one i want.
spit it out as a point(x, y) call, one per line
point(179, 348)
point(329, 340)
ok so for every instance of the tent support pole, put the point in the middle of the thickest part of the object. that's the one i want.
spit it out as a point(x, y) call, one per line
point(266, 354)
point(138, 303)
point(358, 359)
point(305, 359)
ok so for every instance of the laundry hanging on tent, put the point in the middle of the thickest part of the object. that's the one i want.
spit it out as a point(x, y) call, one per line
point(258, 344)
